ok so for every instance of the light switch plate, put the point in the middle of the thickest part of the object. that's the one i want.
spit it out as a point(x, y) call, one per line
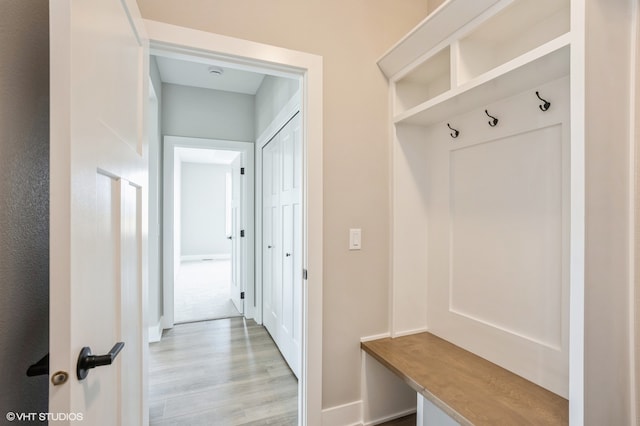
point(355, 239)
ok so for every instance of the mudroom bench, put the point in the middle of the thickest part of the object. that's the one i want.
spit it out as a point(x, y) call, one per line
point(468, 389)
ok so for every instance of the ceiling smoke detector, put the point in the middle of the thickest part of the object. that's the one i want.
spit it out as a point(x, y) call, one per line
point(216, 71)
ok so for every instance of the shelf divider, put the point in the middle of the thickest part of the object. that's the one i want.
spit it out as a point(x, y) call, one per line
point(543, 64)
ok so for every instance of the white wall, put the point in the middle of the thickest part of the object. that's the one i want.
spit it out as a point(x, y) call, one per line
point(155, 198)
point(205, 113)
point(203, 210)
point(272, 95)
point(24, 202)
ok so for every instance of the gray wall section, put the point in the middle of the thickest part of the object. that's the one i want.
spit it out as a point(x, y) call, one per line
point(203, 210)
point(272, 96)
point(24, 202)
point(205, 113)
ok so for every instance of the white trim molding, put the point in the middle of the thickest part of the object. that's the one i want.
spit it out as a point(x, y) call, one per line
point(351, 415)
point(196, 257)
point(408, 332)
point(343, 415)
point(155, 331)
point(634, 115)
point(375, 337)
point(390, 417)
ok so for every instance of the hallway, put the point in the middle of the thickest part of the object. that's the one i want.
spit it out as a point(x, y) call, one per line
point(226, 372)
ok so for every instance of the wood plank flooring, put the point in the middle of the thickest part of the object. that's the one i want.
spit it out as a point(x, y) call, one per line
point(203, 291)
point(226, 372)
point(404, 421)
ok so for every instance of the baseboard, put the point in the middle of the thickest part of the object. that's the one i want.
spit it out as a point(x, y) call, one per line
point(166, 325)
point(389, 418)
point(195, 257)
point(155, 331)
point(351, 415)
point(343, 415)
point(374, 337)
point(408, 332)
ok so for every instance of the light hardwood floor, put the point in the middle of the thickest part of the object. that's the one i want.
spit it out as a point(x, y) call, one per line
point(203, 292)
point(404, 421)
point(226, 372)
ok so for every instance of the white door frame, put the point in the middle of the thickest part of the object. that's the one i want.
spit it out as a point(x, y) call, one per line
point(186, 43)
point(168, 226)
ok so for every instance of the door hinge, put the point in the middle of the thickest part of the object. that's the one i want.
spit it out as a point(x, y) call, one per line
point(304, 274)
point(241, 170)
point(242, 232)
point(242, 295)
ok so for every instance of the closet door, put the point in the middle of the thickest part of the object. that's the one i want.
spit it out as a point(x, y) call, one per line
point(283, 241)
point(272, 249)
point(291, 216)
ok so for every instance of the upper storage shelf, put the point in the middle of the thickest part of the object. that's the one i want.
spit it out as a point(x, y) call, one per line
point(426, 81)
point(546, 63)
point(467, 45)
point(514, 31)
point(431, 32)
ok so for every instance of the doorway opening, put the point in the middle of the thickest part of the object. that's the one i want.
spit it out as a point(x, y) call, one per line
point(271, 112)
point(216, 50)
point(210, 206)
point(208, 228)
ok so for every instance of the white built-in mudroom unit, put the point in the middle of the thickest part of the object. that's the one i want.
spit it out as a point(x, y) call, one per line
point(512, 215)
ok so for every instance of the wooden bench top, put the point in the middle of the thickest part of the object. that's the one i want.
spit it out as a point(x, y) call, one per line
point(470, 389)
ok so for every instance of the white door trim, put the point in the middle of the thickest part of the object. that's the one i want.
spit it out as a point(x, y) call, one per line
point(180, 42)
point(168, 254)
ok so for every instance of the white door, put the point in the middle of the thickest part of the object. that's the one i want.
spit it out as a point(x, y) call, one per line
point(237, 237)
point(283, 163)
point(97, 213)
point(272, 241)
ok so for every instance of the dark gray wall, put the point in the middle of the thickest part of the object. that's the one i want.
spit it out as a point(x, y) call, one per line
point(24, 202)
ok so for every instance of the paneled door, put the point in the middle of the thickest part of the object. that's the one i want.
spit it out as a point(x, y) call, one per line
point(237, 241)
point(97, 212)
point(272, 244)
point(282, 251)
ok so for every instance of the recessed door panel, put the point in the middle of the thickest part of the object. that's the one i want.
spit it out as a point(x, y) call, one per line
point(282, 236)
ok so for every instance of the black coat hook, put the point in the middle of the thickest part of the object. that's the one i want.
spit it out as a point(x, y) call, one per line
point(493, 121)
point(546, 105)
point(455, 133)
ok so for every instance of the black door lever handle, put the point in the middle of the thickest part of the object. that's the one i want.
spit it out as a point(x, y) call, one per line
point(87, 361)
point(39, 368)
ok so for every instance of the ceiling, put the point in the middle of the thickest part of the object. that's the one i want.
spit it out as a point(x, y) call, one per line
point(196, 74)
point(209, 156)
